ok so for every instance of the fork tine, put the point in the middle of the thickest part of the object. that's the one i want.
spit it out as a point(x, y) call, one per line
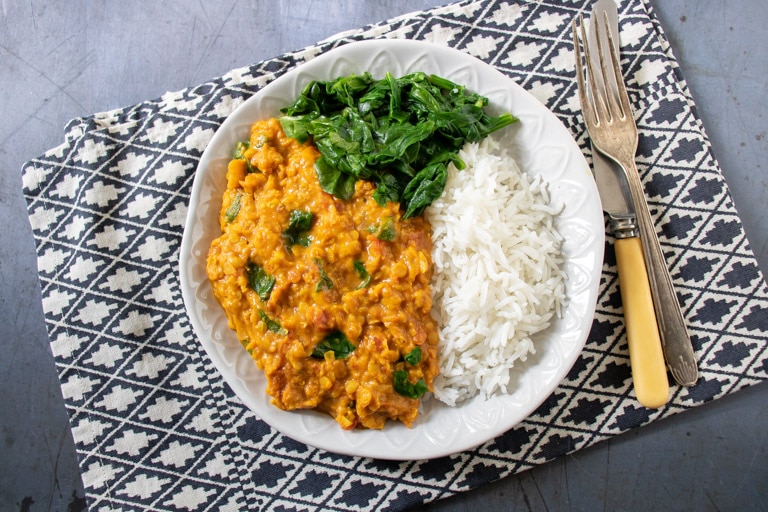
point(608, 81)
point(596, 91)
point(601, 108)
point(586, 108)
point(620, 88)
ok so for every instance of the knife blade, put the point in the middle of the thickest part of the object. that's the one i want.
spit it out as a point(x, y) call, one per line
point(676, 345)
point(604, 168)
point(645, 350)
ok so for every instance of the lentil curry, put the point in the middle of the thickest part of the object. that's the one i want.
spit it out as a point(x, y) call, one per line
point(330, 297)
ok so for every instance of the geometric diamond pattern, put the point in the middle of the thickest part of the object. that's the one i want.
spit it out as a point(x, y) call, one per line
point(154, 423)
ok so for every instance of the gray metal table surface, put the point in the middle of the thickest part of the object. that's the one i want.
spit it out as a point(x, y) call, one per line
point(60, 60)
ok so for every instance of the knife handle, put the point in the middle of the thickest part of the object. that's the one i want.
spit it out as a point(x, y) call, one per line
point(645, 354)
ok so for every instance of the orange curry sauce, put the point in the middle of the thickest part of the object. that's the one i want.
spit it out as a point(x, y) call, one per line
point(359, 270)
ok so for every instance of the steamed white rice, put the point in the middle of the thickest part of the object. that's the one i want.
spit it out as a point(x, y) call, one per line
point(498, 276)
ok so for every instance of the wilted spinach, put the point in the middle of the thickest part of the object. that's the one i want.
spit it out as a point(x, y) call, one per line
point(400, 133)
point(336, 342)
point(387, 231)
point(365, 277)
point(299, 223)
point(413, 357)
point(271, 324)
point(325, 282)
point(234, 207)
point(259, 280)
point(404, 387)
point(239, 154)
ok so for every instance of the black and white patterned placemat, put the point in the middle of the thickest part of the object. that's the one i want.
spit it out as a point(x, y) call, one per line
point(154, 423)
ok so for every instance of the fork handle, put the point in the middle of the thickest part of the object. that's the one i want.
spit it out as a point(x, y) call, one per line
point(645, 355)
point(676, 342)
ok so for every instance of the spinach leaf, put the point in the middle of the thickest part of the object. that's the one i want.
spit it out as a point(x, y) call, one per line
point(404, 387)
point(337, 342)
point(387, 230)
point(325, 282)
point(400, 133)
point(388, 189)
point(346, 89)
point(334, 181)
point(297, 127)
point(424, 188)
point(234, 207)
point(299, 223)
point(259, 281)
point(240, 149)
point(272, 325)
point(239, 154)
point(364, 275)
point(413, 357)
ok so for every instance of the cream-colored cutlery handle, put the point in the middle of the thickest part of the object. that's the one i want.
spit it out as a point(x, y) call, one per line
point(646, 357)
point(676, 341)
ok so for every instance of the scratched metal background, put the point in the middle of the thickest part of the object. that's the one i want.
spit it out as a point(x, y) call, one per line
point(60, 60)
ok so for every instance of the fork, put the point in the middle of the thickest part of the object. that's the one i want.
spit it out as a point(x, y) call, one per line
point(611, 126)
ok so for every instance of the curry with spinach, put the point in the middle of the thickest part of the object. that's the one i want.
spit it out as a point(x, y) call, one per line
point(331, 297)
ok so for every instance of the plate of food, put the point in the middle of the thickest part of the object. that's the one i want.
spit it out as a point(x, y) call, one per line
point(376, 279)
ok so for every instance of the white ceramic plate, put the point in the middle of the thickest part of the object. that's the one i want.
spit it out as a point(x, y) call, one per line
point(541, 145)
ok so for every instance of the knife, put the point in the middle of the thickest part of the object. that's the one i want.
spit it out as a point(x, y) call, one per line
point(676, 343)
point(645, 351)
